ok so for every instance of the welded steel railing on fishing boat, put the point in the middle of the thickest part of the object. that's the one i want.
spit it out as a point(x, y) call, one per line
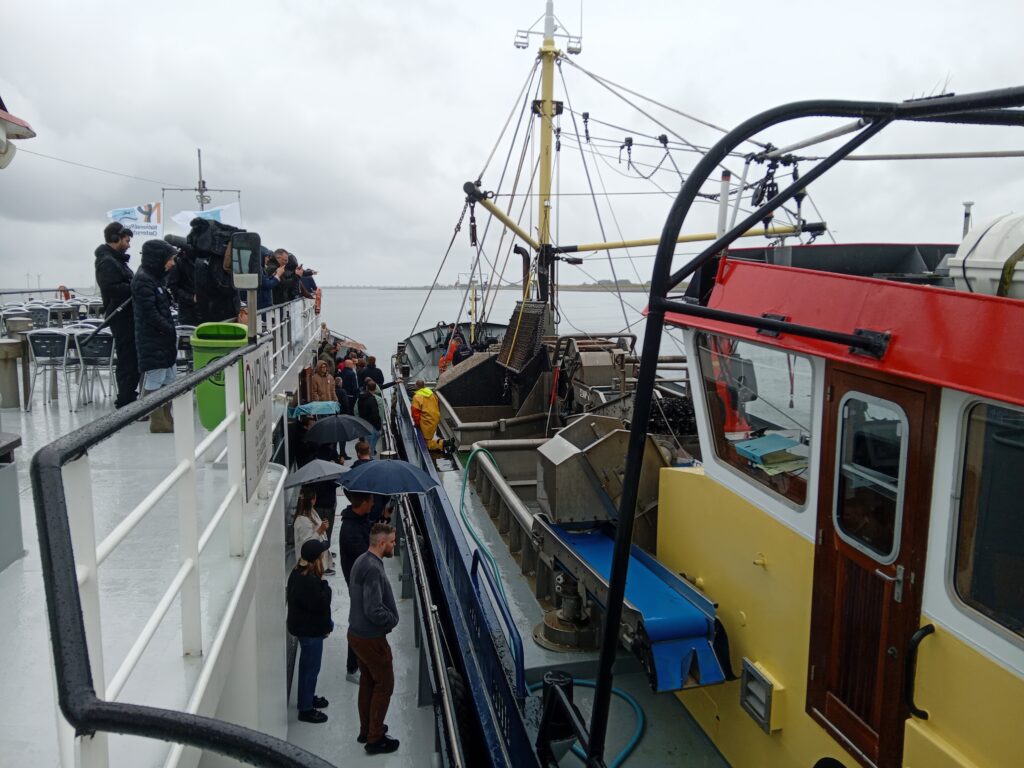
point(62, 489)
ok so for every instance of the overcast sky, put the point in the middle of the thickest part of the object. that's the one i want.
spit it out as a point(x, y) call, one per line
point(350, 127)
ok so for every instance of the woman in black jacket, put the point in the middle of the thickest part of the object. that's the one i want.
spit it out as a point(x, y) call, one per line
point(309, 619)
point(156, 340)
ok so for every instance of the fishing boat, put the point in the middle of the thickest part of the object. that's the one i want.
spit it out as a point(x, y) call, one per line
point(808, 541)
point(790, 541)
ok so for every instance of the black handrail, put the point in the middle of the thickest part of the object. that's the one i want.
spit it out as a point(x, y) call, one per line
point(989, 108)
point(910, 672)
point(76, 692)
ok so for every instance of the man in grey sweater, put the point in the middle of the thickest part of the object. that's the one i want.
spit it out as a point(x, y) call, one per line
point(372, 615)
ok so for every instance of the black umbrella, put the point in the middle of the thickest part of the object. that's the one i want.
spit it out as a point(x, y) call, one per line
point(314, 472)
point(387, 477)
point(338, 429)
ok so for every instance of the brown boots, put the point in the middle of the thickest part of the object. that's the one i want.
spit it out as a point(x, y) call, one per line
point(161, 420)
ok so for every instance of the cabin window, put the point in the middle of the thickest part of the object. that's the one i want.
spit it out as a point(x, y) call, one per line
point(872, 458)
point(989, 565)
point(759, 407)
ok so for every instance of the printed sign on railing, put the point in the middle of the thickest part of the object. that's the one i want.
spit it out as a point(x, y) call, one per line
point(259, 426)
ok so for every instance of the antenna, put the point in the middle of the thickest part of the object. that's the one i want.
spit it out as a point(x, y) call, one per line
point(201, 190)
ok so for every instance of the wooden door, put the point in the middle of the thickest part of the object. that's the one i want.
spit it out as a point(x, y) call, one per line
point(878, 451)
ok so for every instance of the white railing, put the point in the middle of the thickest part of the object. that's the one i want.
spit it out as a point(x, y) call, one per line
point(92, 752)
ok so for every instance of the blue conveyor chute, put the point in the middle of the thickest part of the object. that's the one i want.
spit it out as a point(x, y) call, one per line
point(678, 622)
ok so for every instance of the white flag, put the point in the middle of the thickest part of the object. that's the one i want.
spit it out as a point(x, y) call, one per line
point(145, 220)
point(225, 214)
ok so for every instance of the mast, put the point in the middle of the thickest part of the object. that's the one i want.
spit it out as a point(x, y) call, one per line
point(546, 109)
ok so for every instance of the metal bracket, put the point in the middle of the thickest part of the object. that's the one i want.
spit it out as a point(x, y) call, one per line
point(772, 316)
point(878, 343)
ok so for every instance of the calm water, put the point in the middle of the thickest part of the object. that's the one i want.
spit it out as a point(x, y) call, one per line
point(381, 318)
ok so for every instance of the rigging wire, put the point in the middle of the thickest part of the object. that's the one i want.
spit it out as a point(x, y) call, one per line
point(458, 227)
point(515, 187)
point(96, 168)
point(605, 82)
point(590, 184)
point(515, 103)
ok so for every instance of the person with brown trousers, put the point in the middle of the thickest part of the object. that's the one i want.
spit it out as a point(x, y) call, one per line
point(372, 615)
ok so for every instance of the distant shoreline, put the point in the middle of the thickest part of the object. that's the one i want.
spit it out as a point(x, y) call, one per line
point(628, 288)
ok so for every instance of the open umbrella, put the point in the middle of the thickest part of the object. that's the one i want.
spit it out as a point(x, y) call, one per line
point(315, 471)
point(387, 477)
point(338, 429)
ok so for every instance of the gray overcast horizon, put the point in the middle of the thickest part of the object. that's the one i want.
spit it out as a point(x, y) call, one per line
point(351, 127)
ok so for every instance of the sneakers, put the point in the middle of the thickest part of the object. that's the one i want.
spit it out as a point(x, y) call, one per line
point(319, 702)
point(312, 716)
point(382, 747)
point(353, 677)
point(362, 739)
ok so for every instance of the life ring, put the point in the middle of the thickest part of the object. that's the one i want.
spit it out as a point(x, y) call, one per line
point(63, 293)
point(316, 301)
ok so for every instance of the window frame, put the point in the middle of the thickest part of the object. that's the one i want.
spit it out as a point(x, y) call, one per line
point(956, 502)
point(720, 462)
point(897, 541)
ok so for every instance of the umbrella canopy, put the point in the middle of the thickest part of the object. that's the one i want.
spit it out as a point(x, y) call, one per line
point(338, 429)
point(387, 477)
point(315, 471)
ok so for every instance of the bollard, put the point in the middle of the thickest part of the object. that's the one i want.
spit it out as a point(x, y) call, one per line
point(10, 352)
point(16, 329)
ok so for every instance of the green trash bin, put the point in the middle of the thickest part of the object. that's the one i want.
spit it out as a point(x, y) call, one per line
point(211, 341)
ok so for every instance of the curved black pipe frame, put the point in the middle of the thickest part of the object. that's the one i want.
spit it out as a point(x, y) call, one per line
point(983, 108)
point(76, 692)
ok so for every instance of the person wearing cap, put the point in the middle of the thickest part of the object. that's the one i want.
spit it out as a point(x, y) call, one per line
point(309, 620)
point(114, 279)
point(155, 335)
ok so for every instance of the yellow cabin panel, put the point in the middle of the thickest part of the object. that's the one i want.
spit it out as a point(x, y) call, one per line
point(759, 572)
point(975, 708)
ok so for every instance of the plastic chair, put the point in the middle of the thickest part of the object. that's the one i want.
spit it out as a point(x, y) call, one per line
point(94, 355)
point(40, 315)
point(48, 350)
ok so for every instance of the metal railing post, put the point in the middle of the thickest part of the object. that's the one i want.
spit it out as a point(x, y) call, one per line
point(82, 525)
point(188, 526)
point(236, 465)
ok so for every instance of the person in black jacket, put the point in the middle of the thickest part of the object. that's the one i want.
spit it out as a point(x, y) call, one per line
point(287, 287)
point(181, 282)
point(114, 279)
point(354, 540)
point(309, 619)
point(156, 338)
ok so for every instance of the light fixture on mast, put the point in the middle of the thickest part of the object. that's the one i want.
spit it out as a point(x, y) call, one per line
point(573, 43)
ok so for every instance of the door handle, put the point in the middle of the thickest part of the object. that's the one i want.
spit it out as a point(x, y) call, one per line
point(911, 669)
point(897, 580)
